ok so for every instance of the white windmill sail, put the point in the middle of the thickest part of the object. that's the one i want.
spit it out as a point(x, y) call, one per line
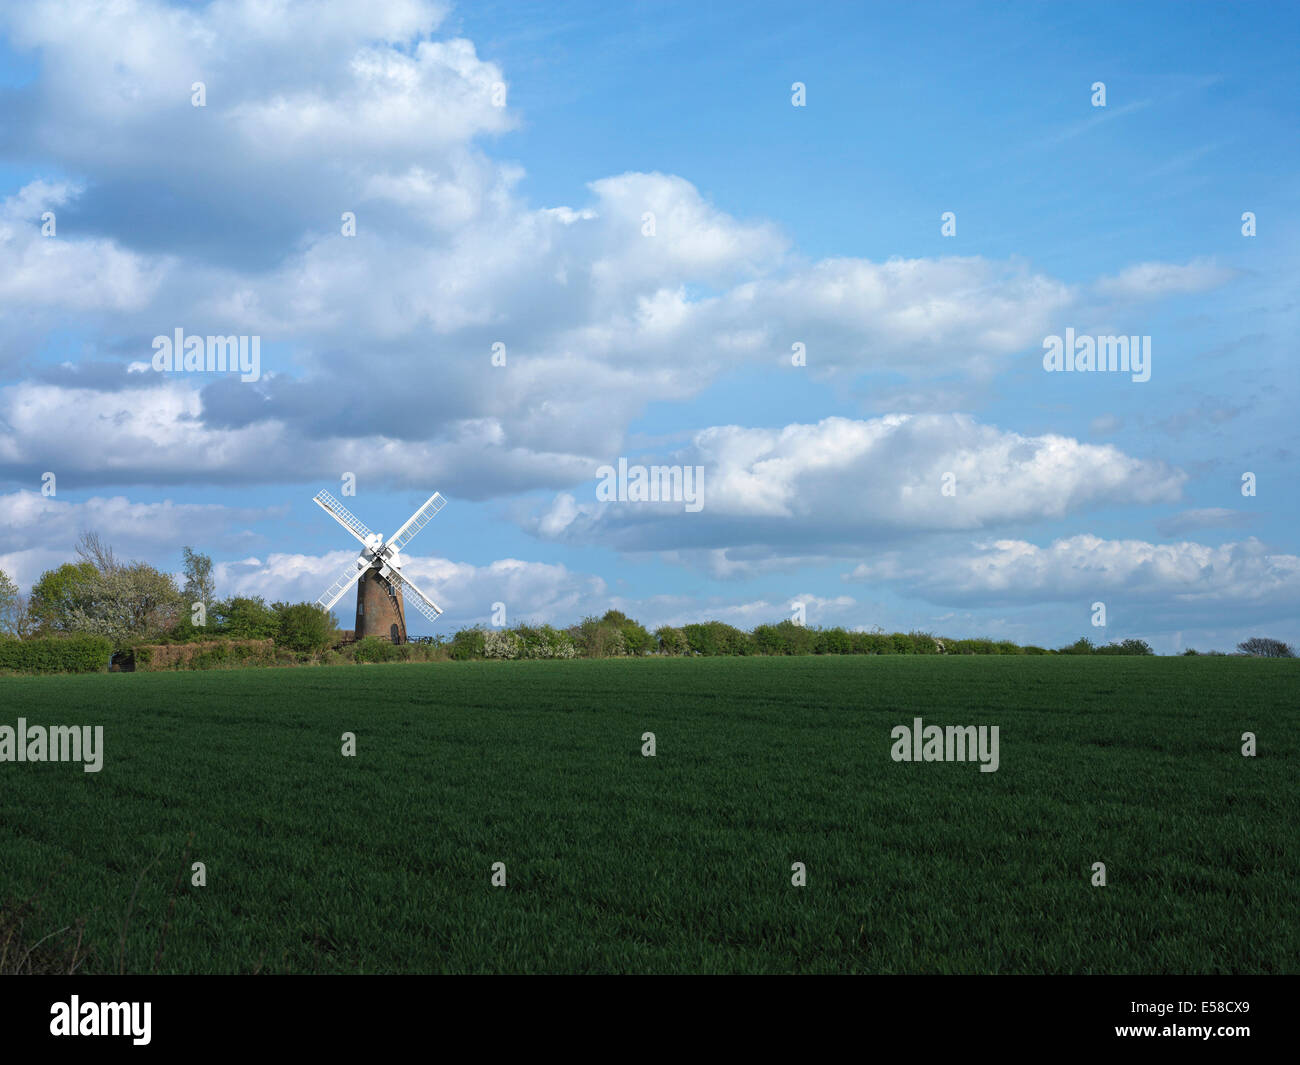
point(423, 603)
point(416, 522)
point(346, 580)
point(342, 515)
point(383, 557)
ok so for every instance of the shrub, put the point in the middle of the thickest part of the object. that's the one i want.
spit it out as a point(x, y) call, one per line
point(56, 654)
point(902, 643)
point(636, 640)
point(543, 641)
point(501, 644)
point(210, 654)
point(599, 637)
point(1006, 647)
point(783, 638)
point(185, 631)
point(924, 644)
point(671, 641)
point(872, 643)
point(421, 651)
point(1030, 649)
point(246, 618)
point(1126, 647)
point(1081, 646)
point(699, 639)
point(373, 649)
point(833, 642)
point(767, 640)
point(467, 644)
point(304, 627)
point(717, 638)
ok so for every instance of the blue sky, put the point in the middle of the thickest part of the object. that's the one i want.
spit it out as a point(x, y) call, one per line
point(523, 225)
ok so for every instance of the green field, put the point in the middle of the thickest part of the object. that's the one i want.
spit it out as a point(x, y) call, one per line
point(681, 862)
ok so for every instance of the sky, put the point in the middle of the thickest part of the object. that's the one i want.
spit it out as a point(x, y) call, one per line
point(815, 252)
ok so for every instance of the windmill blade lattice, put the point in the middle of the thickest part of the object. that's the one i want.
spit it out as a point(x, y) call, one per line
point(379, 566)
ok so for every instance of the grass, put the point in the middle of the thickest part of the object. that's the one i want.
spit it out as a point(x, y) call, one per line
point(678, 863)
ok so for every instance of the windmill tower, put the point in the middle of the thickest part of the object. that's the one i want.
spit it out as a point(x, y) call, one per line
point(377, 572)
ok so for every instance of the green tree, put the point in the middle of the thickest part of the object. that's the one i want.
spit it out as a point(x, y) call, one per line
point(833, 642)
point(717, 638)
point(101, 595)
point(305, 627)
point(636, 640)
point(1265, 647)
point(599, 637)
point(13, 608)
point(199, 586)
point(672, 641)
point(58, 593)
point(128, 603)
point(246, 618)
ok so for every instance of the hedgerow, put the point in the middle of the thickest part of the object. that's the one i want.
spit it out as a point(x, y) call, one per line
point(611, 636)
point(56, 654)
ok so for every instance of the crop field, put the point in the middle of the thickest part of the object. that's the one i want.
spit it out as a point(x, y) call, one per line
point(680, 862)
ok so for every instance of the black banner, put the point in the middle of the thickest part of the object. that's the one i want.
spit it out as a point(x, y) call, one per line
point(1237, 1015)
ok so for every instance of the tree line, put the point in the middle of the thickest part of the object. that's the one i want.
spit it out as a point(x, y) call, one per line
point(130, 605)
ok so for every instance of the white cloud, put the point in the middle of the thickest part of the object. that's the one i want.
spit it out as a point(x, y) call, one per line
point(156, 433)
point(1084, 567)
point(64, 272)
point(320, 111)
point(39, 532)
point(844, 482)
point(1145, 281)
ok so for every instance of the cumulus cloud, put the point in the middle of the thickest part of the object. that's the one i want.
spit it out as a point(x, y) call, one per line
point(38, 532)
point(843, 482)
point(51, 273)
point(156, 434)
point(1190, 575)
point(386, 337)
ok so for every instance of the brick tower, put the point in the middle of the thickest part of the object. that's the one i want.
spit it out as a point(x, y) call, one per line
point(379, 608)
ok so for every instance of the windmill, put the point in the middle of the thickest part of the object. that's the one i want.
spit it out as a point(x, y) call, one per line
point(377, 572)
